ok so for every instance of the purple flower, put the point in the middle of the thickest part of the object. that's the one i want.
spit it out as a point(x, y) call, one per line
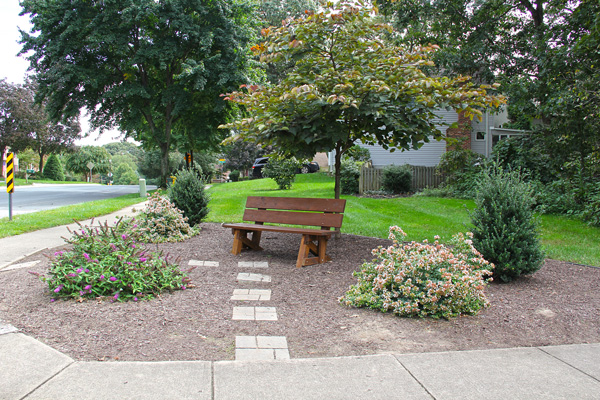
point(87, 270)
point(101, 277)
point(72, 274)
point(81, 292)
point(88, 287)
point(135, 225)
point(129, 263)
point(112, 279)
point(58, 288)
point(52, 300)
point(124, 236)
point(113, 247)
point(183, 288)
point(79, 270)
point(135, 299)
point(133, 246)
point(142, 259)
point(86, 256)
point(116, 296)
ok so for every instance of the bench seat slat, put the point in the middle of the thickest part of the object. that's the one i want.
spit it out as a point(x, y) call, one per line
point(297, 204)
point(283, 229)
point(294, 218)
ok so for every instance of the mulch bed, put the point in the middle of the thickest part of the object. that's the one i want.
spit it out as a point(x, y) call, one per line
point(560, 304)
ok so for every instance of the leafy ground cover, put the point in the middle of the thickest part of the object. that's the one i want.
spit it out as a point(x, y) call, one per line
point(22, 223)
point(563, 238)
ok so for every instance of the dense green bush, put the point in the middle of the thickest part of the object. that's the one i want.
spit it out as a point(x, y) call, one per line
point(349, 177)
point(234, 175)
point(462, 168)
point(396, 179)
point(188, 195)
point(107, 262)
point(161, 221)
point(125, 175)
point(591, 212)
point(358, 154)
point(53, 170)
point(505, 231)
point(282, 170)
point(422, 279)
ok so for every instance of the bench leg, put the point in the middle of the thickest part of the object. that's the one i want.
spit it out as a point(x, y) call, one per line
point(319, 250)
point(241, 241)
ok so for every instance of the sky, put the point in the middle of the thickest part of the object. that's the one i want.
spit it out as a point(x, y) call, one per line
point(14, 68)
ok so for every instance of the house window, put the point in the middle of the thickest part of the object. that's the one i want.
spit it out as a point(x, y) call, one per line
point(497, 138)
point(480, 136)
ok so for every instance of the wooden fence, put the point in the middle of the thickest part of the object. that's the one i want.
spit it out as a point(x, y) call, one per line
point(422, 177)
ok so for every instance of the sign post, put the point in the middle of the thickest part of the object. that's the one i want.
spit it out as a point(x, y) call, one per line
point(90, 166)
point(10, 183)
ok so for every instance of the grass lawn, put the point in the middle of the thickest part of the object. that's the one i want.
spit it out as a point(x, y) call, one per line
point(22, 223)
point(421, 218)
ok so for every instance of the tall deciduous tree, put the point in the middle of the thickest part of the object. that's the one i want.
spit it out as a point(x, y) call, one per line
point(153, 68)
point(78, 161)
point(349, 84)
point(25, 124)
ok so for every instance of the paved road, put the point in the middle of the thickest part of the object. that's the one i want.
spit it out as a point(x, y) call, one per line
point(39, 197)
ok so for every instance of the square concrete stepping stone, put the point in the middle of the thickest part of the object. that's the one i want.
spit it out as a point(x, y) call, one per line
point(21, 265)
point(249, 277)
point(197, 263)
point(253, 264)
point(261, 348)
point(251, 294)
point(254, 314)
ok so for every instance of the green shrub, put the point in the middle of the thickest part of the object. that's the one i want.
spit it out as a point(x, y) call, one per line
point(396, 179)
point(108, 262)
point(125, 175)
point(505, 231)
point(53, 170)
point(591, 212)
point(161, 221)
point(349, 177)
point(461, 168)
point(188, 195)
point(282, 170)
point(422, 279)
point(234, 175)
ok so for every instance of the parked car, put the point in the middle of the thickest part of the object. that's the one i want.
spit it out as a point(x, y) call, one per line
point(259, 163)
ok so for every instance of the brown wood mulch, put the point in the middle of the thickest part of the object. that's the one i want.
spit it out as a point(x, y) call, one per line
point(559, 304)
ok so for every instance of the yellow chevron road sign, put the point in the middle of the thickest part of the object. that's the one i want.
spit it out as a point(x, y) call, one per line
point(10, 176)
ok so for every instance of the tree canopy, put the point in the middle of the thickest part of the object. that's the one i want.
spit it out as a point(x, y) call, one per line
point(349, 83)
point(25, 124)
point(154, 69)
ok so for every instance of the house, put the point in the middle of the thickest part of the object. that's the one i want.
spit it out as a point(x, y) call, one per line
point(481, 136)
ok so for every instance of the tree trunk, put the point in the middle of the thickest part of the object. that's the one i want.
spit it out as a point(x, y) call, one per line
point(41, 164)
point(164, 165)
point(338, 171)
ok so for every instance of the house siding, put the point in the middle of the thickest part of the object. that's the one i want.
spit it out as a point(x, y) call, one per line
point(428, 155)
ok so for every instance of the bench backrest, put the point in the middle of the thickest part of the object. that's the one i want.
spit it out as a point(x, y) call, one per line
point(326, 213)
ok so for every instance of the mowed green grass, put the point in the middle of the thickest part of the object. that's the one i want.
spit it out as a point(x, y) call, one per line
point(23, 223)
point(421, 218)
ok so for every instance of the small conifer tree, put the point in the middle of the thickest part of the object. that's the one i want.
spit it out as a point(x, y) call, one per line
point(187, 193)
point(505, 231)
point(53, 170)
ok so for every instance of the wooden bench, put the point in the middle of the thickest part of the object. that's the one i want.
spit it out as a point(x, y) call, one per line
point(327, 214)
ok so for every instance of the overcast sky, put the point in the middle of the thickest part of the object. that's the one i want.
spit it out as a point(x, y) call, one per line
point(14, 69)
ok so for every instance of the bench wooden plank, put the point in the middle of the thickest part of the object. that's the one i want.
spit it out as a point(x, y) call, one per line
point(297, 204)
point(294, 218)
point(282, 229)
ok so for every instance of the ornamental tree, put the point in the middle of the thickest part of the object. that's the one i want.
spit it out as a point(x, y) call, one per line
point(349, 83)
point(152, 68)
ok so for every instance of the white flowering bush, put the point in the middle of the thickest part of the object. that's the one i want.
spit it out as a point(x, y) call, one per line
point(161, 221)
point(423, 279)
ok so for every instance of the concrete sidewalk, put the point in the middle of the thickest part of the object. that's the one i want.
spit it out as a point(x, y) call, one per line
point(30, 369)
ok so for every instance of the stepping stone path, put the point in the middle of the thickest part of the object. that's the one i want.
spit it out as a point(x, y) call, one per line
point(253, 348)
point(196, 263)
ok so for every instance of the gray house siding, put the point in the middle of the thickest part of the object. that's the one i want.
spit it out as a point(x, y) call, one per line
point(428, 155)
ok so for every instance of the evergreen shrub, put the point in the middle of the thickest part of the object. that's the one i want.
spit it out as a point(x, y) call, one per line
point(505, 231)
point(396, 179)
point(53, 170)
point(349, 177)
point(234, 175)
point(189, 196)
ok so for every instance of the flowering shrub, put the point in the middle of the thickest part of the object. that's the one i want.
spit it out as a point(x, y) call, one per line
point(422, 279)
point(106, 262)
point(161, 221)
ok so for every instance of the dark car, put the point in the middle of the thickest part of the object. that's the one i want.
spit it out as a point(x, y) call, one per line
point(259, 163)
